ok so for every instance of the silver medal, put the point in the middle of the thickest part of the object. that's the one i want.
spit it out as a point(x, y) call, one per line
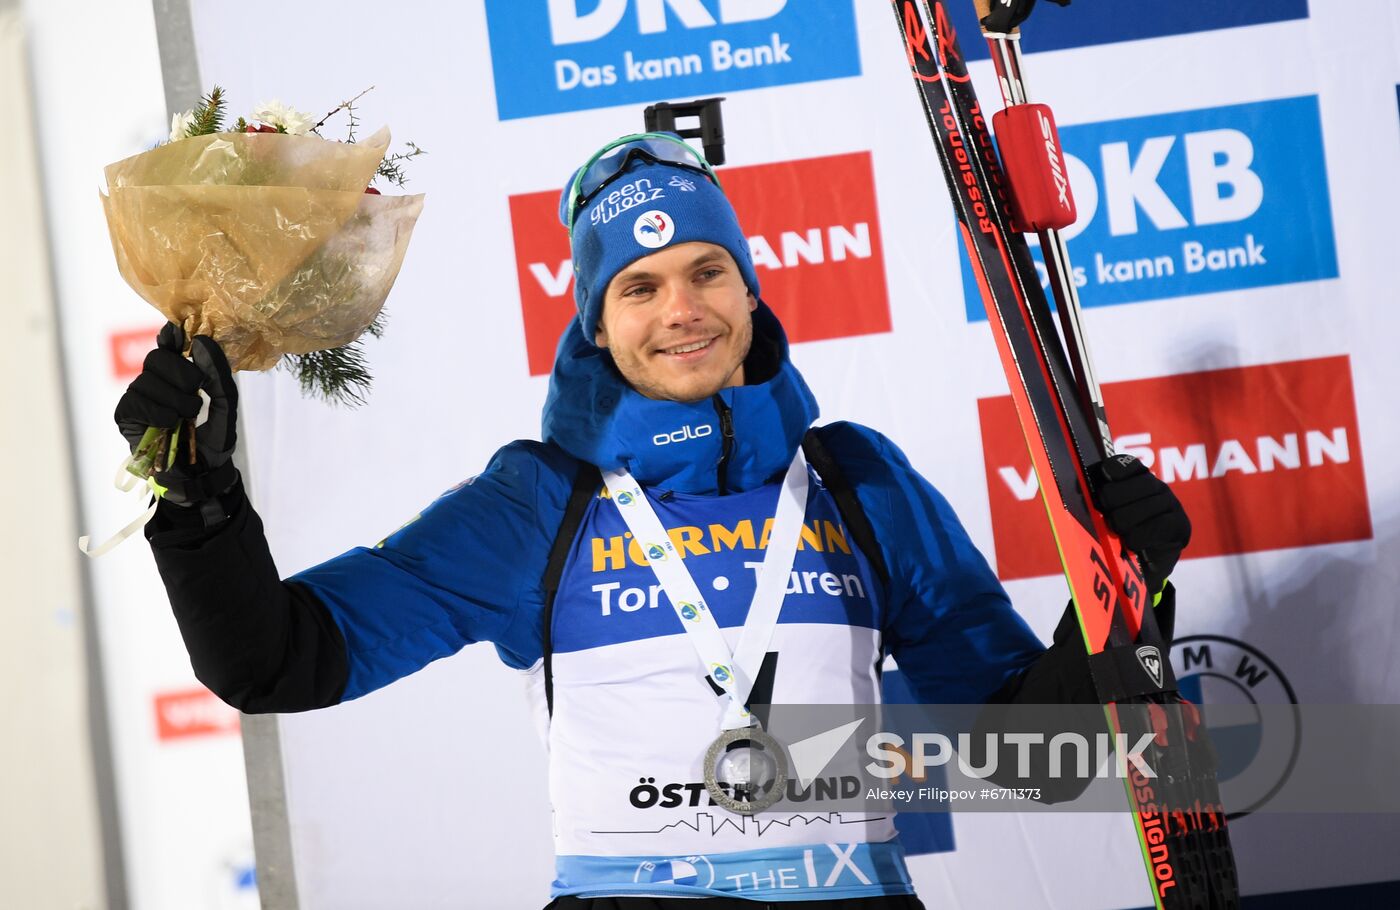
point(750, 764)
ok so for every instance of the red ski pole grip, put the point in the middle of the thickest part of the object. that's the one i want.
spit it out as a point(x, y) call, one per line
point(1035, 168)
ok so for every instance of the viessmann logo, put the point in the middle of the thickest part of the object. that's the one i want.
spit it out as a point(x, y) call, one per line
point(1087, 24)
point(813, 229)
point(1194, 202)
point(129, 349)
point(1262, 457)
point(193, 712)
point(550, 56)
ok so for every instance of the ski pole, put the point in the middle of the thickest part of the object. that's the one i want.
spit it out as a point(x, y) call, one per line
point(1035, 164)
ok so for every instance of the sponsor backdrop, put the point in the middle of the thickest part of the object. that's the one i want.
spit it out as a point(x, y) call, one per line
point(182, 831)
point(1232, 163)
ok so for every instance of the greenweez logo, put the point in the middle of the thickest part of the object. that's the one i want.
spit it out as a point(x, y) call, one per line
point(552, 56)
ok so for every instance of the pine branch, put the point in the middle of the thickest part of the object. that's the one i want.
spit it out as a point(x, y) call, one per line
point(391, 168)
point(209, 115)
point(339, 375)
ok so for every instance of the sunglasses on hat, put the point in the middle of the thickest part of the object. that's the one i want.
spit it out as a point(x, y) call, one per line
point(613, 160)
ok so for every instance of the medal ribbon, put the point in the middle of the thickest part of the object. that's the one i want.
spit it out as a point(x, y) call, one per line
point(733, 672)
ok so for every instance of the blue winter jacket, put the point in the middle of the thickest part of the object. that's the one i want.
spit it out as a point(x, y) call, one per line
point(470, 567)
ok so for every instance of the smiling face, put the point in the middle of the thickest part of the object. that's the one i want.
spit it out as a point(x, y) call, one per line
point(679, 322)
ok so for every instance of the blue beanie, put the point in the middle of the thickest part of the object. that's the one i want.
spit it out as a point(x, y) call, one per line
point(649, 207)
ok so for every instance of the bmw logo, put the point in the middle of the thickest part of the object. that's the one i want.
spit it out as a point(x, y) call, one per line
point(692, 870)
point(1251, 711)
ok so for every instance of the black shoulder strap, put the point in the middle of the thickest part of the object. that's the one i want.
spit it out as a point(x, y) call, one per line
point(586, 484)
point(852, 513)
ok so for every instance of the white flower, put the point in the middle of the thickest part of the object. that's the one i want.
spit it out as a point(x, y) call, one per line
point(180, 124)
point(275, 113)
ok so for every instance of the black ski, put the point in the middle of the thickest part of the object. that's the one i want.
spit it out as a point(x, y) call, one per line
point(1178, 815)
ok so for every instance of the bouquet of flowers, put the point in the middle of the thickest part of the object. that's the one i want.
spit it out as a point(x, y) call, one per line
point(265, 236)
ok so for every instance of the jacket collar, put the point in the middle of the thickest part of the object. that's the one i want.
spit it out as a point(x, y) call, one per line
point(592, 414)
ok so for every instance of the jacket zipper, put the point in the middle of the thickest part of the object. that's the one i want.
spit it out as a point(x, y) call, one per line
point(726, 432)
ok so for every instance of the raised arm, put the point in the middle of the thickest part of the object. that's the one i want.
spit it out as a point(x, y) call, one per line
point(467, 569)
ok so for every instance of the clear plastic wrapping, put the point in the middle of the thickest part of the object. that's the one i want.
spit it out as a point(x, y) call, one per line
point(267, 242)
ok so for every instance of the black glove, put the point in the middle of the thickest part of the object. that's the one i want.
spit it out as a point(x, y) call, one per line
point(1145, 514)
point(1007, 14)
point(166, 393)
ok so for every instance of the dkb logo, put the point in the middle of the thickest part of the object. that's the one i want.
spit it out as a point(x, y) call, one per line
point(551, 56)
point(1194, 202)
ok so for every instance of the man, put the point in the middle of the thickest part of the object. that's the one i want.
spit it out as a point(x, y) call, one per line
point(675, 382)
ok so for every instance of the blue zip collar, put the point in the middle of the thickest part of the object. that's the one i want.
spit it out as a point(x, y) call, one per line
point(595, 416)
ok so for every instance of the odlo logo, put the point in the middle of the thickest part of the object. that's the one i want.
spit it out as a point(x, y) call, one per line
point(683, 434)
